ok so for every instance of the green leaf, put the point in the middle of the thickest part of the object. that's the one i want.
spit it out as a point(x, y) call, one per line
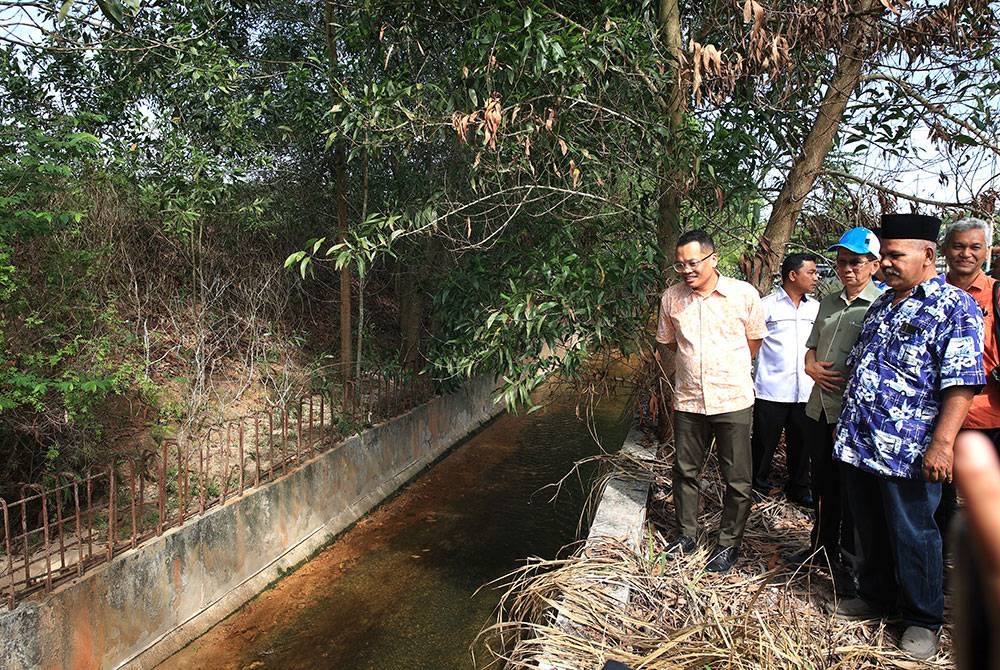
point(527, 16)
point(64, 10)
point(113, 10)
point(294, 258)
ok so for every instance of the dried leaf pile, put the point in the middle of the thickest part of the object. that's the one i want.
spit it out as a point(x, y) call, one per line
point(613, 603)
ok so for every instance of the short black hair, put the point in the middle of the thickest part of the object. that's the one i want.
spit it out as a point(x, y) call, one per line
point(697, 235)
point(794, 262)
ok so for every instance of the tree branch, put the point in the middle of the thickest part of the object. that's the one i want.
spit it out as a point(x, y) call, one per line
point(936, 109)
point(878, 186)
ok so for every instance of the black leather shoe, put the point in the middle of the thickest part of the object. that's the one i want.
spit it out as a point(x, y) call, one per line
point(722, 559)
point(681, 546)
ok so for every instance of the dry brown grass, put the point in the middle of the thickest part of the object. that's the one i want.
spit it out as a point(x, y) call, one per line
point(766, 613)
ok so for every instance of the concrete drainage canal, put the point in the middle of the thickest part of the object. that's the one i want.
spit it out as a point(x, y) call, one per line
point(399, 589)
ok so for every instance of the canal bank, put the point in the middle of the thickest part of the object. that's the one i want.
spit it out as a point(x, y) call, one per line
point(402, 588)
point(147, 602)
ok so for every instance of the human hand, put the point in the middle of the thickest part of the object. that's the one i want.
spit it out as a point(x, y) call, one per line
point(830, 381)
point(937, 461)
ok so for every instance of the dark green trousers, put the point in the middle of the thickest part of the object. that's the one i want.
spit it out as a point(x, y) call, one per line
point(692, 439)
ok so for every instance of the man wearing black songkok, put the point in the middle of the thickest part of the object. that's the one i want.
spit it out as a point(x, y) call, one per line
point(915, 368)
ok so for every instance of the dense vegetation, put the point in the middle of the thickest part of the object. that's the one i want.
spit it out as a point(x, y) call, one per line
point(209, 203)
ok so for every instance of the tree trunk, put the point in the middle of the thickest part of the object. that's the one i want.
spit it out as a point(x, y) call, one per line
point(673, 175)
point(411, 318)
point(765, 261)
point(340, 179)
point(669, 206)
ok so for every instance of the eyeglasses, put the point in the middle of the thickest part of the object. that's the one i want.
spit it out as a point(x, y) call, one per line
point(690, 265)
point(853, 263)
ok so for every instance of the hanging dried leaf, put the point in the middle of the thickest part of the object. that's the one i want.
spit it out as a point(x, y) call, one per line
point(550, 121)
point(527, 147)
point(492, 118)
point(758, 15)
point(460, 123)
point(562, 146)
point(574, 172)
point(696, 75)
point(711, 59)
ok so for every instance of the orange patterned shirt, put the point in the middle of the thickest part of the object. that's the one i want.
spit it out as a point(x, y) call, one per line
point(985, 410)
point(713, 362)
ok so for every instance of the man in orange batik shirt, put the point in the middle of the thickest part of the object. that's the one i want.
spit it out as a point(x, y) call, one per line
point(965, 250)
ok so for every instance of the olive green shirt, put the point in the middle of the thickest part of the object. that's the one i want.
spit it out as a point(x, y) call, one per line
point(833, 336)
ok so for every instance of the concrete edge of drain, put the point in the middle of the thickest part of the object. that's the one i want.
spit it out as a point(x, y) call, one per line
point(620, 518)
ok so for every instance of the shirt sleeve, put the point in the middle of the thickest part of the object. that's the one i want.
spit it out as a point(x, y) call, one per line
point(664, 327)
point(812, 341)
point(962, 346)
point(756, 325)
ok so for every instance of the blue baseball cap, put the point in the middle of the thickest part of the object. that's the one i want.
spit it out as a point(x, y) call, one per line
point(858, 240)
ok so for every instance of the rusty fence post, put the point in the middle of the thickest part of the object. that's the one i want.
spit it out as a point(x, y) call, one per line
point(10, 556)
point(112, 511)
point(242, 455)
point(45, 533)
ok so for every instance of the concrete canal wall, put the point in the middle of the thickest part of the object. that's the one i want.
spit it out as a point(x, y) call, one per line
point(150, 601)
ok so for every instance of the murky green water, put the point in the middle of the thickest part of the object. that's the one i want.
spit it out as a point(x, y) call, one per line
point(399, 589)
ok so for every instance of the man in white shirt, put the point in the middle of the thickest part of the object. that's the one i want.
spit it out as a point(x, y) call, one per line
point(780, 383)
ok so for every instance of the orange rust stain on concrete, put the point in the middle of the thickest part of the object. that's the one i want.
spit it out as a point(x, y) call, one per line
point(176, 572)
point(84, 649)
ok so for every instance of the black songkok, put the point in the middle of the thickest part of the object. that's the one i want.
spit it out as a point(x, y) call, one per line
point(910, 227)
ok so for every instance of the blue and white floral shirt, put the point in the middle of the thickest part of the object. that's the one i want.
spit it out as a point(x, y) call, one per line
point(904, 358)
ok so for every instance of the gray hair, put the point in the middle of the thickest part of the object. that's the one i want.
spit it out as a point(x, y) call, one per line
point(964, 226)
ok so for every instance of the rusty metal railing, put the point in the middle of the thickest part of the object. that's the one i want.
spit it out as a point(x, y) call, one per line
point(58, 530)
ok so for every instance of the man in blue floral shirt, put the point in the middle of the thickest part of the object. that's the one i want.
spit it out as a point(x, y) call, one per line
point(916, 366)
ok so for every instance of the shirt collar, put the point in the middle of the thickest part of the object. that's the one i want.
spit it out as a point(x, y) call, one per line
point(929, 286)
point(724, 285)
point(868, 293)
point(980, 284)
point(783, 295)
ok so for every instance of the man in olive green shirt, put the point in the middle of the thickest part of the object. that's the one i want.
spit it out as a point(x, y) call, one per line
point(834, 333)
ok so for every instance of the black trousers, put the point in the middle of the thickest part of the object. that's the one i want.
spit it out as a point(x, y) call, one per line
point(833, 525)
point(769, 419)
